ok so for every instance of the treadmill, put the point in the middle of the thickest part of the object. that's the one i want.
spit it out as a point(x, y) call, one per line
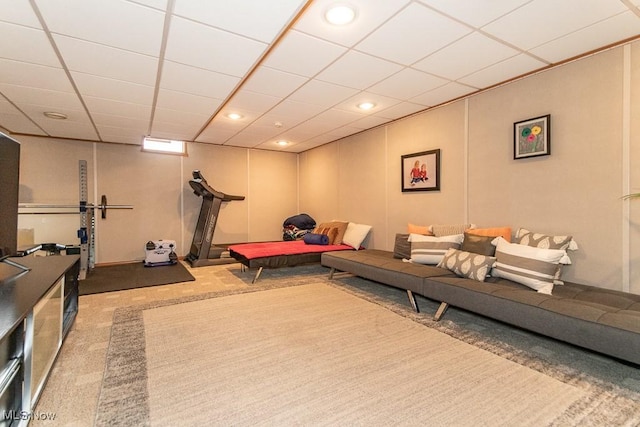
point(202, 252)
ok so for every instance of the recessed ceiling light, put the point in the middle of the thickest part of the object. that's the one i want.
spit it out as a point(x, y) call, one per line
point(54, 115)
point(234, 116)
point(340, 14)
point(282, 142)
point(366, 105)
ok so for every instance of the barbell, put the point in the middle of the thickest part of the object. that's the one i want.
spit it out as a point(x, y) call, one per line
point(82, 207)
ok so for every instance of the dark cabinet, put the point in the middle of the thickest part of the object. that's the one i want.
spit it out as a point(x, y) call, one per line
point(37, 311)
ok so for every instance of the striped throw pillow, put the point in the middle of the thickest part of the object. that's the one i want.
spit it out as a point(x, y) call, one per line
point(527, 265)
point(431, 249)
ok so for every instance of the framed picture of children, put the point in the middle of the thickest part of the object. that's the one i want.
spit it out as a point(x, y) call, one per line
point(421, 171)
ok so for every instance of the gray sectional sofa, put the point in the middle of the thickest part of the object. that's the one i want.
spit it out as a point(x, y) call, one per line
point(602, 320)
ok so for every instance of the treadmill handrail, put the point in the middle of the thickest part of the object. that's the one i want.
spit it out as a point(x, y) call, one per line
point(201, 188)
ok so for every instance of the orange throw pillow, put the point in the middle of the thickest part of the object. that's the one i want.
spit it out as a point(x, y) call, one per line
point(419, 229)
point(492, 232)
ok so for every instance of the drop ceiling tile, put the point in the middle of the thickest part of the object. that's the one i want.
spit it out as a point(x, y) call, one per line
point(258, 103)
point(466, 56)
point(400, 110)
point(14, 121)
point(215, 135)
point(407, 83)
point(550, 19)
point(118, 108)
point(335, 118)
point(169, 131)
point(222, 118)
point(180, 118)
point(118, 90)
point(307, 145)
point(26, 45)
point(296, 111)
point(412, 34)
point(369, 15)
point(187, 102)
point(196, 81)
point(115, 23)
point(222, 122)
point(257, 19)
point(108, 134)
point(503, 71)
point(19, 12)
point(156, 4)
point(358, 70)
point(272, 82)
point(33, 75)
point(141, 125)
point(322, 93)
point(609, 31)
point(342, 131)
point(290, 51)
point(70, 129)
point(205, 47)
point(474, 12)
point(31, 95)
point(368, 122)
point(381, 102)
point(244, 139)
point(105, 61)
point(443, 94)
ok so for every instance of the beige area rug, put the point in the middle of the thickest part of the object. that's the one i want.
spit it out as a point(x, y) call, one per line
point(313, 354)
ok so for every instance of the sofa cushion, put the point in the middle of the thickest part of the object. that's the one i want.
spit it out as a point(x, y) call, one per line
point(431, 249)
point(381, 266)
point(533, 267)
point(467, 264)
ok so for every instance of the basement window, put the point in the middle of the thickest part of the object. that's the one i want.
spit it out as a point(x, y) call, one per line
point(166, 146)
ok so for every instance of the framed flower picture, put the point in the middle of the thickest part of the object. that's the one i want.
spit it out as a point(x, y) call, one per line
point(532, 138)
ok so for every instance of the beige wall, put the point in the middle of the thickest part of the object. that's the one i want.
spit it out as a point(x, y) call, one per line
point(576, 190)
point(157, 186)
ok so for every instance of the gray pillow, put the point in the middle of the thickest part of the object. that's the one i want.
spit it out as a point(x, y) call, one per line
point(478, 244)
point(402, 247)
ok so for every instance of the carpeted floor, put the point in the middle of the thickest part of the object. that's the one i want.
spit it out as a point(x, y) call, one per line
point(610, 389)
point(120, 277)
point(312, 355)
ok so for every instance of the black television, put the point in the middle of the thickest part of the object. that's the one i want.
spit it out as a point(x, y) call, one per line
point(9, 187)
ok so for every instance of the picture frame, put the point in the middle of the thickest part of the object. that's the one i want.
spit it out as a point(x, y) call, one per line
point(532, 137)
point(421, 171)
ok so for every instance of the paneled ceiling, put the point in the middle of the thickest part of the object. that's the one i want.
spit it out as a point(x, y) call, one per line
point(174, 69)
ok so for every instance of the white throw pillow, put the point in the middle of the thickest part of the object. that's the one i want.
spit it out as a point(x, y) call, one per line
point(527, 265)
point(355, 235)
point(431, 249)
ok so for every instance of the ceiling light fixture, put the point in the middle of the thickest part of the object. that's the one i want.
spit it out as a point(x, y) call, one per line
point(366, 105)
point(340, 14)
point(282, 142)
point(54, 115)
point(234, 116)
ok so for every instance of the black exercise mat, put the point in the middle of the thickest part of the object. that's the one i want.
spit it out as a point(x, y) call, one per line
point(129, 276)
